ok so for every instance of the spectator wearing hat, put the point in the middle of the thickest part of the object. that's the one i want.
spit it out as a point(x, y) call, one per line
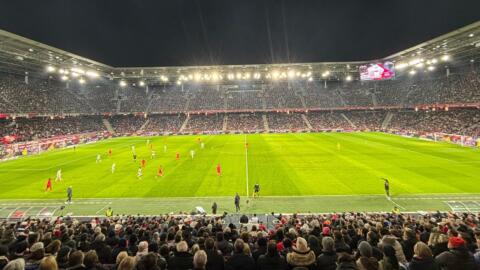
point(422, 258)
point(327, 260)
point(37, 252)
point(457, 257)
point(365, 260)
point(301, 256)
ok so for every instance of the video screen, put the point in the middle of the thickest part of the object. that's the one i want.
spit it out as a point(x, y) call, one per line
point(377, 71)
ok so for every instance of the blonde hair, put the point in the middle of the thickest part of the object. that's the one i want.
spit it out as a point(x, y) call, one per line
point(200, 259)
point(421, 250)
point(48, 263)
point(122, 255)
point(128, 263)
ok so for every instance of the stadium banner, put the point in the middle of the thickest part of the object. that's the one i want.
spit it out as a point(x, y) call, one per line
point(57, 142)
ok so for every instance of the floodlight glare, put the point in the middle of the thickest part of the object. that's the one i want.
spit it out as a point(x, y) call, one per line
point(64, 78)
point(446, 57)
point(310, 79)
point(74, 74)
point(431, 68)
point(81, 81)
point(92, 74)
point(123, 83)
point(78, 70)
point(50, 69)
point(401, 65)
point(348, 78)
point(412, 72)
point(141, 83)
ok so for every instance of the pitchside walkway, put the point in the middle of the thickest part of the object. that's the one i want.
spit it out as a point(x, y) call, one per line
point(20, 209)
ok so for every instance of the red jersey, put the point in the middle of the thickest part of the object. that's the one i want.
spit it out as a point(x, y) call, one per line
point(178, 156)
point(160, 171)
point(110, 152)
point(143, 162)
point(49, 182)
point(219, 169)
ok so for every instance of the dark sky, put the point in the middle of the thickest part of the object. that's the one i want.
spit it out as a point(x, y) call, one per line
point(211, 32)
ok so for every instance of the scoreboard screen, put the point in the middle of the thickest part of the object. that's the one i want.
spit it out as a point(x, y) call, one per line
point(377, 71)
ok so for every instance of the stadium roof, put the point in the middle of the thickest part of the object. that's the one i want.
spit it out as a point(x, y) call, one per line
point(20, 55)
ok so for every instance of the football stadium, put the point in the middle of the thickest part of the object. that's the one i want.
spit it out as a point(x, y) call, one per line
point(128, 155)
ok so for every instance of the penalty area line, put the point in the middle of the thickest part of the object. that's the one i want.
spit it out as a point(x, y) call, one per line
point(392, 201)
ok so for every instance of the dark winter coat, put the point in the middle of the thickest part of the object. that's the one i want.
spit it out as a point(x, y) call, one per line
point(327, 260)
point(423, 264)
point(240, 261)
point(266, 262)
point(181, 261)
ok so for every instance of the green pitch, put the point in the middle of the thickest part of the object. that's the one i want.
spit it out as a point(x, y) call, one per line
point(293, 170)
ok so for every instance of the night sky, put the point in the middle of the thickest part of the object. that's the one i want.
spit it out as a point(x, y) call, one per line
point(213, 32)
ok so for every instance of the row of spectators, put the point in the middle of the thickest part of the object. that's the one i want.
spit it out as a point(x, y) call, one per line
point(50, 96)
point(454, 121)
point(324, 242)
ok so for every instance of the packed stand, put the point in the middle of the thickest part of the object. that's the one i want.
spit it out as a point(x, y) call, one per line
point(28, 129)
point(328, 120)
point(245, 122)
point(164, 123)
point(126, 124)
point(205, 123)
point(286, 121)
point(330, 241)
point(167, 100)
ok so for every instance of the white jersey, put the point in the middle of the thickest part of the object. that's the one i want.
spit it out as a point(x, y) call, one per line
point(153, 154)
point(133, 149)
point(148, 142)
point(202, 145)
point(165, 148)
point(192, 153)
point(59, 175)
point(139, 172)
point(99, 159)
point(113, 167)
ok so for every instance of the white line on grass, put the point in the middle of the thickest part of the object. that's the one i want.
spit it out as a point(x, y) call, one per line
point(41, 210)
point(392, 201)
point(466, 207)
point(246, 162)
point(11, 213)
point(101, 209)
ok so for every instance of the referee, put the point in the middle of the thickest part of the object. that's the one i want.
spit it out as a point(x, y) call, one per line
point(387, 187)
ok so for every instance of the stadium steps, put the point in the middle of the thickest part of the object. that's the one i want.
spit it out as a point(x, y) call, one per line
point(107, 125)
point(142, 128)
point(185, 123)
point(304, 104)
point(150, 101)
point(119, 104)
point(305, 119)
point(348, 120)
point(225, 123)
point(187, 104)
point(387, 120)
point(265, 123)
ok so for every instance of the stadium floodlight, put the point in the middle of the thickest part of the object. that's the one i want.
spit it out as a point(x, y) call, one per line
point(179, 82)
point(141, 83)
point(256, 75)
point(123, 83)
point(50, 69)
point(348, 78)
point(92, 74)
point(246, 75)
point(75, 75)
point(419, 65)
point(309, 74)
point(446, 57)
point(275, 74)
point(310, 79)
point(401, 65)
point(291, 74)
point(434, 61)
point(415, 61)
point(231, 76)
point(78, 70)
point(215, 77)
point(431, 68)
point(197, 77)
point(325, 74)
point(239, 75)
point(412, 72)
point(471, 35)
point(81, 81)
point(64, 78)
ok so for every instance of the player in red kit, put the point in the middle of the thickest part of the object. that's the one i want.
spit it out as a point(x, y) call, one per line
point(177, 156)
point(219, 170)
point(144, 162)
point(160, 172)
point(49, 185)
